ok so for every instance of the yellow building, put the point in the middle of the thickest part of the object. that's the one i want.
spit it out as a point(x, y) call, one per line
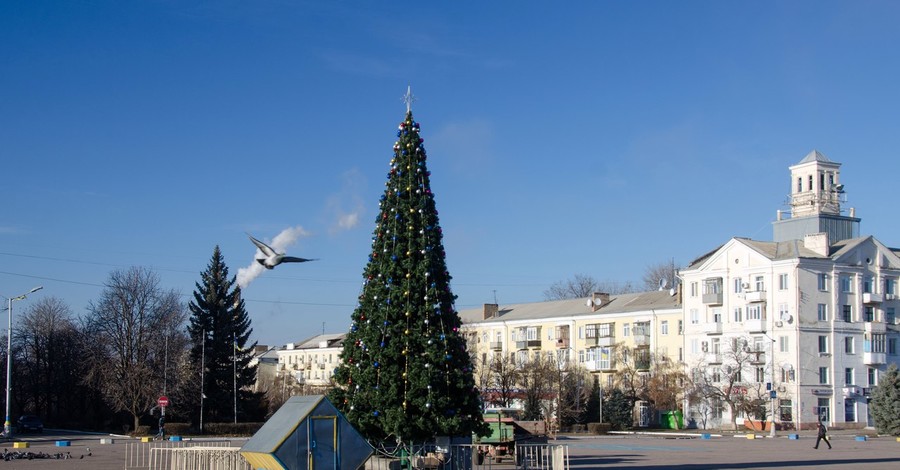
point(603, 333)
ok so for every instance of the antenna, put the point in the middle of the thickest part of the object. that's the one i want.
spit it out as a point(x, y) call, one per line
point(495, 296)
point(323, 328)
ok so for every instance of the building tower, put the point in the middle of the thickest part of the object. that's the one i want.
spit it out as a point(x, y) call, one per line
point(815, 200)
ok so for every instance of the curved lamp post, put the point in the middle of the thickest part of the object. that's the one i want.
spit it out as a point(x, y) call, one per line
point(7, 425)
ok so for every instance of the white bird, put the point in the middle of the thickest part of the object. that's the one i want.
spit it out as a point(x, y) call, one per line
point(271, 257)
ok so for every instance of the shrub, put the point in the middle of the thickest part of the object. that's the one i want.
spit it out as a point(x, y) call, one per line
point(179, 429)
point(232, 429)
point(599, 428)
point(141, 431)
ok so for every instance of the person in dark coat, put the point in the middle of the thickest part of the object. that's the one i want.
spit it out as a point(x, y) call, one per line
point(821, 435)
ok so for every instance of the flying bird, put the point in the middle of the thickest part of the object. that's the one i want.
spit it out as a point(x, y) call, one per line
point(271, 257)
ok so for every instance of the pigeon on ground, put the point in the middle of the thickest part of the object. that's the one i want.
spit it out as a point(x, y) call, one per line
point(271, 258)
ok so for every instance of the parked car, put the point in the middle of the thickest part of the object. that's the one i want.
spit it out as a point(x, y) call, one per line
point(29, 423)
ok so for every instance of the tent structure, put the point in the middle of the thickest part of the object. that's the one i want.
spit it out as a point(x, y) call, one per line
point(307, 433)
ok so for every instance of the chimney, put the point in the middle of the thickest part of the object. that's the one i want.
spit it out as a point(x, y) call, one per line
point(817, 242)
point(491, 310)
point(598, 300)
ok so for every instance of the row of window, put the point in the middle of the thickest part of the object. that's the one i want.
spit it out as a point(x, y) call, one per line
point(849, 376)
point(872, 343)
point(758, 284)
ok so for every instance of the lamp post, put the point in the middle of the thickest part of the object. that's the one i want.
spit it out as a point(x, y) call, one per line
point(7, 425)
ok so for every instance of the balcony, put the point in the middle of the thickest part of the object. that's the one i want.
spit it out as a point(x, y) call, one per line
point(562, 342)
point(872, 359)
point(755, 326)
point(757, 357)
point(604, 341)
point(300, 378)
point(872, 298)
point(641, 339)
point(321, 365)
point(852, 391)
point(712, 328)
point(496, 346)
point(528, 344)
point(755, 296)
point(714, 358)
point(642, 364)
point(600, 366)
point(300, 366)
point(714, 298)
point(875, 327)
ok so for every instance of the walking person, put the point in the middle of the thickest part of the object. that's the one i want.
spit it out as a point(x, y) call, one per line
point(821, 435)
point(161, 434)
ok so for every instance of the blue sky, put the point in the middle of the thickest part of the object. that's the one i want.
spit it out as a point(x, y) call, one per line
point(585, 137)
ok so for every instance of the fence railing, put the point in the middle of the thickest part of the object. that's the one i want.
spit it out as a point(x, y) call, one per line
point(474, 457)
point(157, 455)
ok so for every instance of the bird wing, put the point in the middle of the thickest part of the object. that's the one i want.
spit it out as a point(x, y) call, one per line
point(293, 259)
point(266, 249)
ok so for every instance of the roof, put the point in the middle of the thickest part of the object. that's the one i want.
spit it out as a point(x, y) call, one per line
point(815, 156)
point(780, 250)
point(622, 303)
point(333, 340)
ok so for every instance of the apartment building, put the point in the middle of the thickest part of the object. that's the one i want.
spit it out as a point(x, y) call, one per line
point(604, 333)
point(810, 317)
point(311, 362)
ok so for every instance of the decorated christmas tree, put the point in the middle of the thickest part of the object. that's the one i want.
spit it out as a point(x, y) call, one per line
point(405, 375)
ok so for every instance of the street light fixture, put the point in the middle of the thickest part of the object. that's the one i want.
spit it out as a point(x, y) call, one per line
point(7, 425)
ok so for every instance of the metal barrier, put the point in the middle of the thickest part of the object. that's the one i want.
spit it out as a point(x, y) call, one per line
point(154, 456)
point(470, 457)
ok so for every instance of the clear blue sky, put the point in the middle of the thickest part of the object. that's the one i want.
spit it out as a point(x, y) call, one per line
point(563, 138)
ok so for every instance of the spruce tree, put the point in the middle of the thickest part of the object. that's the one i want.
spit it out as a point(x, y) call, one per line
point(220, 330)
point(885, 402)
point(405, 374)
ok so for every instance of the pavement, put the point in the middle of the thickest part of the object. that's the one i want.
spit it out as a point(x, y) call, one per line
point(637, 451)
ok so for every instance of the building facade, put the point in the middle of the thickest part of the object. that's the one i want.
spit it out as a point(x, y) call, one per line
point(806, 321)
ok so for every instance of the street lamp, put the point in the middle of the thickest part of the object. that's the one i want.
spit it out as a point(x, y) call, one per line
point(7, 425)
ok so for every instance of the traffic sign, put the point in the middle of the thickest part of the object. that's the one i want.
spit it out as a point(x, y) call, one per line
point(163, 401)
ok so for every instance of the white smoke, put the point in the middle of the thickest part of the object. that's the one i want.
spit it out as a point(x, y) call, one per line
point(280, 243)
point(346, 207)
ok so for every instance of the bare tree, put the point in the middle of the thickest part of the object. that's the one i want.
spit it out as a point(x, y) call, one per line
point(663, 271)
point(129, 324)
point(727, 376)
point(49, 365)
point(503, 378)
point(582, 285)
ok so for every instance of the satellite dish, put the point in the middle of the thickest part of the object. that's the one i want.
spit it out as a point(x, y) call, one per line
point(663, 283)
point(672, 292)
point(590, 302)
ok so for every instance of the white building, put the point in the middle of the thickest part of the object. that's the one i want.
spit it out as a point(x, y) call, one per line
point(311, 362)
point(812, 313)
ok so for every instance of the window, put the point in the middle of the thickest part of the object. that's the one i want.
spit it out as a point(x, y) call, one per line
point(738, 315)
point(848, 376)
point(695, 316)
point(849, 345)
point(782, 282)
point(693, 289)
point(872, 376)
point(626, 329)
point(782, 311)
point(754, 312)
point(846, 285)
point(847, 313)
point(531, 334)
point(695, 346)
point(868, 314)
point(890, 316)
point(605, 362)
point(875, 343)
point(664, 327)
point(867, 284)
point(823, 375)
point(799, 185)
point(605, 330)
point(738, 288)
point(581, 356)
point(849, 410)
point(717, 315)
point(786, 409)
point(823, 282)
point(892, 346)
point(823, 344)
point(580, 332)
point(809, 187)
point(680, 327)
point(760, 374)
point(824, 409)
point(716, 346)
point(760, 284)
point(890, 286)
point(822, 310)
point(783, 345)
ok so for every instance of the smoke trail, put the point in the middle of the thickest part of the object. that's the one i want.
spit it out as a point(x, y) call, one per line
point(286, 238)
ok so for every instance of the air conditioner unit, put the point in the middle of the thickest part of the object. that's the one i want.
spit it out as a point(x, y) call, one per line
point(890, 297)
point(779, 324)
point(782, 389)
point(745, 285)
point(704, 346)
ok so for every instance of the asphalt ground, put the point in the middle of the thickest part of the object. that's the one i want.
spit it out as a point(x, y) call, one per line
point(585, 452)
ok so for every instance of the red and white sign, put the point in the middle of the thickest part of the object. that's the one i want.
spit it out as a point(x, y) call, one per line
point(163, 401)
